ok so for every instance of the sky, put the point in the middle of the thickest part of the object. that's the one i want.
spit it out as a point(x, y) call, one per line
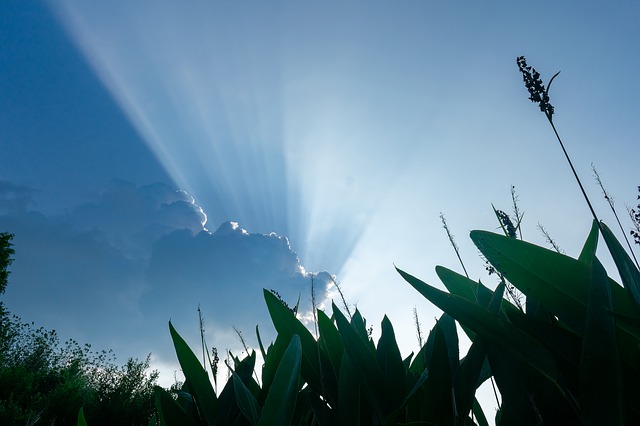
point(159, 155)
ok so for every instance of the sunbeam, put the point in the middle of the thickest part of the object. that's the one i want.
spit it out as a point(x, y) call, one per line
point(253, 131)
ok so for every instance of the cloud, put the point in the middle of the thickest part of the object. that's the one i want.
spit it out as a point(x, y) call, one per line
point(133, 218)
point(224, 272)
point(112, 272)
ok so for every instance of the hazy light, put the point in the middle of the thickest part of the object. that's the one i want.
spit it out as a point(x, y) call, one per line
point(233, 121)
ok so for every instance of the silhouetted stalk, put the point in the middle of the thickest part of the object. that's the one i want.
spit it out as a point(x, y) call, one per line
point(204, 351)
point(453, 243)
point(540, 95)
point(418, 328)
point(313, 305)
point(241, 338)
point(575, 174)
point(516, 210)
point(549, 239)
point(344, 301)
point(246, 349)
point(610, 200)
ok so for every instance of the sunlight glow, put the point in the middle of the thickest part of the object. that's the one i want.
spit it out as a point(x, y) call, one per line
point(235, 122)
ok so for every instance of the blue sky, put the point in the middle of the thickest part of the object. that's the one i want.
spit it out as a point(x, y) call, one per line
point(343, 128)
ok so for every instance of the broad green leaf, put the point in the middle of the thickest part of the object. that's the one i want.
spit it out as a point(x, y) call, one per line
point(406, 363)
point(81, 419)
point(544, 275)
point(481, 419)
point(389, 358)
point(271, 363)
point(366, 365)
point(422, 360)
point(332, 350)
point(330, 340)
point(509, 373)
point(462, 286)
point(457, 284)
point(185, 400)
point(245, 367)
point(467, 377)
point(590, 246)
point(262, 351)
point(450, 332)
point(360, 325)
point(349, 393)
point(287, 325)
point(169, 411)
point(601, 389)
point(438, 402)
point(229, 411)
point(280, 404)
point(495, 329)
point(564, 344)
point(246, 401)
point(626, 268)
point(557, 281)
point(417, 386)
point(497, 297)
point(197, 378)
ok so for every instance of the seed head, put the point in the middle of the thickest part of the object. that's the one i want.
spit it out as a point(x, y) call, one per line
point(535, 86)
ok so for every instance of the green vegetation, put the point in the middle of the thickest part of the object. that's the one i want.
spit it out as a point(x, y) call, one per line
point(44, 382)
point(566, 351)
point(342, 377)
point(571, 358)
point(559, 338)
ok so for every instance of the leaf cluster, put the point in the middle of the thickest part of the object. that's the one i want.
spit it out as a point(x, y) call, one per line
point(574, 356)
point(341, 377)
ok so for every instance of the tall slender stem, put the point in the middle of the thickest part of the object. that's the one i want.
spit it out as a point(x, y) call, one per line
point(575, 174)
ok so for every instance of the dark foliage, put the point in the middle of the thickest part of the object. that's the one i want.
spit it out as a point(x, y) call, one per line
point(45, 382)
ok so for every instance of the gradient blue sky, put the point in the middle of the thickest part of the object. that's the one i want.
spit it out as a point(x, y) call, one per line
point(345, 128)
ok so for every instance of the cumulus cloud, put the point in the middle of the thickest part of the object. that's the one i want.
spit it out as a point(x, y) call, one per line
point(113, 271)
point(133, 218)
point(224, 272)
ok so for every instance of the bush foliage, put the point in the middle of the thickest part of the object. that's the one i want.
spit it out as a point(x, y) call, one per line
point(45, 382)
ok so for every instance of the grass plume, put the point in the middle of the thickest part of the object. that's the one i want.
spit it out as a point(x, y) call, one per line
point(314, 306)
point(342, 298)
point(516, 210)
point(416, 322)
point(611, 203)
point(549, 239)
point(453, 242)
point(540, 95)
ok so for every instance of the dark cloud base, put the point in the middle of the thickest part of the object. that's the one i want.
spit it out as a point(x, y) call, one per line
point(114, 271)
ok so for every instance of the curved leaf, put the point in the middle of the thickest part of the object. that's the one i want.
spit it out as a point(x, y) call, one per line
point(626, 268)
point(280, 404)
point(288, 325)
point(246, 401)
point(559, 282)
point(494, 329)
point(389, 358)
point(366, 365)
point(197, 378)
point(81, 419)
point(601, 388)
point(169, 411)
